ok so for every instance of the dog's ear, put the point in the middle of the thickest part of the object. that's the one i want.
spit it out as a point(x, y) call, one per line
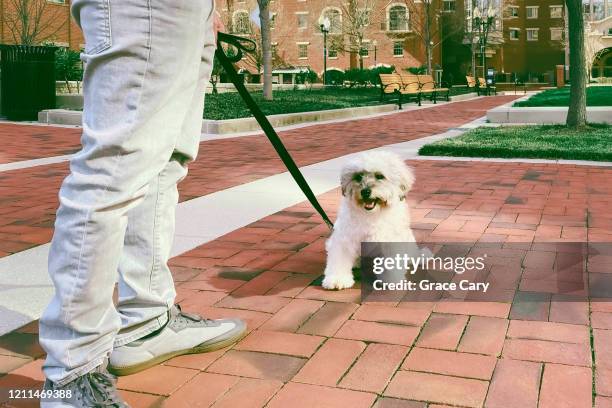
point(346, 178)
point(406, 177)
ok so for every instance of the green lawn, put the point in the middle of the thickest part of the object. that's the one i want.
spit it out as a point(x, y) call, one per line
point(533, 142)
point(596, 96)
point(230, 105)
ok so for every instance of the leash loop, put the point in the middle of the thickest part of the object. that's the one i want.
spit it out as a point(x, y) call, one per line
point(240, 44)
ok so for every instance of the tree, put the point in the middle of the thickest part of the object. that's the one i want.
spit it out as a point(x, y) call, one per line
point(479, 36)
point(215, 74)
point(266, 47)
point(348, 33)
point(32, 22)
point(255, 59)
point(357, 19)
point(576, 116)
point(425, 16)
point(68, 67)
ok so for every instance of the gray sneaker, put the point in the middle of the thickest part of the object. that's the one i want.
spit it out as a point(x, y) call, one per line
point(184, 333)
point(95, 389)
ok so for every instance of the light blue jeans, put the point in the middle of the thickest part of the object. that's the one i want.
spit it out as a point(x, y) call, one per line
point(147, 64)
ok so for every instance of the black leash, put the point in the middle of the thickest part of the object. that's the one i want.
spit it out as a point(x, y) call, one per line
point(241, 44)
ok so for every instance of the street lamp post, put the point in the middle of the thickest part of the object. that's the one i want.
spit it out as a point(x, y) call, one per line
point(375, 44)
point(484, 25)
point(325, 24)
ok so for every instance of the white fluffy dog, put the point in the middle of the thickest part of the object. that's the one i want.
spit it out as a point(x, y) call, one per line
point(373, 209)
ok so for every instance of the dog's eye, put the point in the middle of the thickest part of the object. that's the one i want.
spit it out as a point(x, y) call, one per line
point(380, 176)
point(358, 177)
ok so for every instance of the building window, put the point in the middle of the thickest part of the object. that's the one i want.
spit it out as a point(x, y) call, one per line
point(302, 21)
point(532, 34)
point(363, 17)
point(335, 20)
point(532, 11)
point(332, 52)
point(398, 49)
point(599, 12)
point(398, 18)
point(515, 34)
point(556, 34)
point(302, 51)
point(242, 24)
point(449, 6)
point(556, 11)
point(513, 11)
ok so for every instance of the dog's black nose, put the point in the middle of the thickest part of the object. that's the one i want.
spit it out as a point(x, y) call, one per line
point(366, 193)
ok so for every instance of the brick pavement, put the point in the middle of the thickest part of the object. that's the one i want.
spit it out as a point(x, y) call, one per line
point(28, 197)
point(27, 142)
point(312, 348)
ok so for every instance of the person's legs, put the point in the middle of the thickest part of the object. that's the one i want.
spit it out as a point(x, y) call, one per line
point(146, 288)
point(142, 63)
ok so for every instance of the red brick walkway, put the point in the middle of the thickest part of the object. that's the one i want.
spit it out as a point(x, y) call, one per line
point(27, 142)
point(313, 348)
point(28, 198)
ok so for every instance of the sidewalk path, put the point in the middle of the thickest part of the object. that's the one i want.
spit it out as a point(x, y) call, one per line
point(29, 196)
point(314, 348)
point(27, 288)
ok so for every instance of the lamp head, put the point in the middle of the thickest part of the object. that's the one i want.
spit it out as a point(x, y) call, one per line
point(325, 24)
point(491, 12)
point(477, 14)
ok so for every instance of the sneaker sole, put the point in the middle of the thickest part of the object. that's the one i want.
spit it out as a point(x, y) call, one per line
point(217, 343)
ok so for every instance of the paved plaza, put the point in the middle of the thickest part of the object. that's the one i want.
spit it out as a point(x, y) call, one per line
point(546, 345)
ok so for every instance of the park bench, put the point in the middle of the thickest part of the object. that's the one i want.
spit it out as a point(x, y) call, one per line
point(483, 85)
point(471, 83)
point(429, 86)
point(480, 86)
point(396, 85)
point(413, 80)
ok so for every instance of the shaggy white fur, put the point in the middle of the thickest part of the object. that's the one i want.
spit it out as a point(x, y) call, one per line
point(373, 209)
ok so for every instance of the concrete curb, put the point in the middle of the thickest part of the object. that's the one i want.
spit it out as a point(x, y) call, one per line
point(217, 127)
point(60, 117)
point(231, 126)
point(545, 115)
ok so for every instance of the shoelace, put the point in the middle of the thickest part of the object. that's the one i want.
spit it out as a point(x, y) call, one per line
point(191, 317)
point(99, 390)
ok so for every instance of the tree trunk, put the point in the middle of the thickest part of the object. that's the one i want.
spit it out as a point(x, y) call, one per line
point(576, 116)
point(427, 7)
point(473, 50)
point(352, 59)
point(266, 45)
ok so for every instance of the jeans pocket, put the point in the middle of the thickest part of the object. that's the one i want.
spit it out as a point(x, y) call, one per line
point(93, 16)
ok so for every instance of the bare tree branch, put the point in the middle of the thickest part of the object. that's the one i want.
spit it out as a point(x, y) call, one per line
point(33, 22)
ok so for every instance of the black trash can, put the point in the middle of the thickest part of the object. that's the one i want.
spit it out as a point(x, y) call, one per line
point(28, 80)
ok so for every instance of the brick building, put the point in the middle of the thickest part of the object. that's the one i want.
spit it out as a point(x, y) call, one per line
point(55, 24)
point(386, 37)
point(527, 40)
